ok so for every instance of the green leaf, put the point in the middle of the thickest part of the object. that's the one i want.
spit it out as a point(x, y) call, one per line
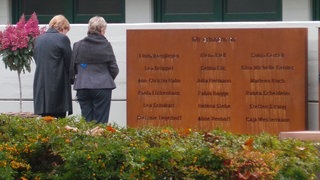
point(16, 60)
point(30, 47)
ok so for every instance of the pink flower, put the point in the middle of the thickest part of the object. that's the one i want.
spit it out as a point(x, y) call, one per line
point(18, 37)
point(21, 23)
point(1, 36)
point(16, 42)
point(32, 26)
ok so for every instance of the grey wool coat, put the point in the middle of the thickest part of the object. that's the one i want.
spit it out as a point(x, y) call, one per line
point(51, 85)
point(101, 68)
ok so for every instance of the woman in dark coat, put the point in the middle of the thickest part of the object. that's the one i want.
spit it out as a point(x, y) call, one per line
point(95, 70)
point(51, 85)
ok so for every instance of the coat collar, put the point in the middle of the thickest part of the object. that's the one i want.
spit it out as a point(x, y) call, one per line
point(52, 30)
point(96, 36)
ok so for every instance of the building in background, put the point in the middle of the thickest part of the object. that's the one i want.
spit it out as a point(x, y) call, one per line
point(146, 11)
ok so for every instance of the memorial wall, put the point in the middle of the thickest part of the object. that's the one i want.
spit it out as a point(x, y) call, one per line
point(239, 80)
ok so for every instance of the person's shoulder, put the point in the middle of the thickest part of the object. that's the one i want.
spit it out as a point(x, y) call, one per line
point(62, 37)
point(41, 36)
point(77, 43)
point(56, 35)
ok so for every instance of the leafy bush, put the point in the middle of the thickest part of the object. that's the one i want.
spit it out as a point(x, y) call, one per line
point(46, 148)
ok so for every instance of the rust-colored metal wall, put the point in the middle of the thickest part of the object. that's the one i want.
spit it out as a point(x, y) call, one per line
point(239, 80)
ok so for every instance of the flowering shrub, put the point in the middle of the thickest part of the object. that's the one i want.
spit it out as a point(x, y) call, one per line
point(16, 46)
point(35, 148)
point(16, 43)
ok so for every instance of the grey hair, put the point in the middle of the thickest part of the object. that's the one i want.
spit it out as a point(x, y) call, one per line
point(97, 24)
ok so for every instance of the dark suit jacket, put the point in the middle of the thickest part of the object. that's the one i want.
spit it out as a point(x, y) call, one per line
point(51, 85)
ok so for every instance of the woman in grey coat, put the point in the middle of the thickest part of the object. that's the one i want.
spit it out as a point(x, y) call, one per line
point(51, 85)
point(95, 69)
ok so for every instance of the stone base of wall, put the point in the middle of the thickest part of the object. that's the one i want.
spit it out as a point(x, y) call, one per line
point(21, 114)
point(301, 135)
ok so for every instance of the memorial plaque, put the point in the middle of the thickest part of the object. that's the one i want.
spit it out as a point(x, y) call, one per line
point(238, 80)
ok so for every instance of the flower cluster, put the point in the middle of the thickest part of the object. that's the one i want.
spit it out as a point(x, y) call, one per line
point(16, 43)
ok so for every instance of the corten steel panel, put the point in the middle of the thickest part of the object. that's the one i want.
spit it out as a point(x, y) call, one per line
point(239, 80)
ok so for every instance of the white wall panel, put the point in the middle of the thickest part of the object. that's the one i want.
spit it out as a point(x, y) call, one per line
point(296, 10)
point(139, 11)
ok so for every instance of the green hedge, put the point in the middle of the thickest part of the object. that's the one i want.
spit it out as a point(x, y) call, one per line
point(46, 148)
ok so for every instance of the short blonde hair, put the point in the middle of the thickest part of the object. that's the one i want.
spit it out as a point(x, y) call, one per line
point(97, 24)
point(60, 23)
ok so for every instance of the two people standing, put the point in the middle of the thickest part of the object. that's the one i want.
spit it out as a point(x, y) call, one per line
point(91, 65)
